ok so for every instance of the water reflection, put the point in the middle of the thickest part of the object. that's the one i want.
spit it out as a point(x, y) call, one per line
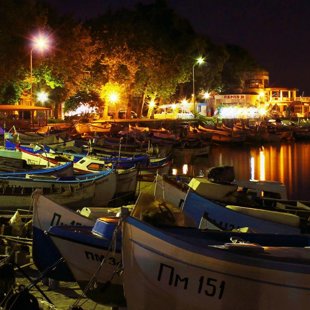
point(288, 163)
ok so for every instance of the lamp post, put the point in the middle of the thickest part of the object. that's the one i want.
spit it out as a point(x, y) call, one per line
point(39, 43)
point(198, 61)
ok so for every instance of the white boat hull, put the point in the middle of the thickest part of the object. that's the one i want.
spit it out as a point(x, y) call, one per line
point(16, 193)
point(162, 275)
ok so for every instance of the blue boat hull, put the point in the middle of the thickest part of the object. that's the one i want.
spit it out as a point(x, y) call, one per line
point(197, 207)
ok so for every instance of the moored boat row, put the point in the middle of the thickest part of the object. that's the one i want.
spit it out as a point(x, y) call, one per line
point(166, 244)
point(168, 252)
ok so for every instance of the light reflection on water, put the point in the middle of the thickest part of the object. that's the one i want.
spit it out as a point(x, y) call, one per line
point(287, 163)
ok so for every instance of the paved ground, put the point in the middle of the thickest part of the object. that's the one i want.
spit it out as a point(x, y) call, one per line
point(63, 297)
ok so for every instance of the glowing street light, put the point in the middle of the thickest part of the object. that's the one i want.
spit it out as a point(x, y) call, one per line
point(40, 43)
point(206, 95)
point(152, 105)
point(198, 61)
point(42, 96)
point(114, 97)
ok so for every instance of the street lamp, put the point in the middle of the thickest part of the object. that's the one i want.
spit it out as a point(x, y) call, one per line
point(198, 61)
point(113, 98)
point(150, 110)
point(206, 96)
point(42, 96)
point(39, 43)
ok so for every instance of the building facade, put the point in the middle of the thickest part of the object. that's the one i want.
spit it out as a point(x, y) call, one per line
point(256, 93)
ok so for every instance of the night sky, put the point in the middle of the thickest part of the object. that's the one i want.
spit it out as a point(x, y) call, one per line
point(275, 32)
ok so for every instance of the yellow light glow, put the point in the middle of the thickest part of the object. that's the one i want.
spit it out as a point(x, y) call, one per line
point(262, 165)
point(262, 111)
point(184, 102)
point(173, 106)
point(206, 95)
point(42, 96)
point(241, 112)
point(152, 104)
point(200, 60)
point(174, 171)
point(261, 94)
point(114, 97)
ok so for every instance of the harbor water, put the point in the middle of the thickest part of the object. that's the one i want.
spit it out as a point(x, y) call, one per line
point(288, 163)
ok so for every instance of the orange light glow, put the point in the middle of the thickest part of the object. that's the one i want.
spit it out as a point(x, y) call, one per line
point(262, 165)
point(252, 168)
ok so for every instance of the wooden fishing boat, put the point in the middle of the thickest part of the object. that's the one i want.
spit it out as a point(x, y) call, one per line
point(171, 188)
point(30, 159)
point(39, 152)
point(93, 255)
point(192, 150)
point(232, 206)
point(99, 127)
point(89, 254)
point(47, 213)
point(120, 162)
point(93, 127)
point(82, 128)
point(63, 170)
point(168, 267)
point(138, 129)
point(126, 179)
point(35, 147)
point(164, 137)
point(260, 206)
point(156, 166)
point(94, 189)
point(121, 143)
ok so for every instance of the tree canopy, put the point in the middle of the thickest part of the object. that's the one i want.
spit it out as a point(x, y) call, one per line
point(149, 51)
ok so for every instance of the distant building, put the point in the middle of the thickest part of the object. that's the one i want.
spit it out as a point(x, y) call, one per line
point(256, 93)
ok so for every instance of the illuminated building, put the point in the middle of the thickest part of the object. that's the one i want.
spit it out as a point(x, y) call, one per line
point(255, 93)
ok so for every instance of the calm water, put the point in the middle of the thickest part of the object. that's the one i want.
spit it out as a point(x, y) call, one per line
point(288, 163)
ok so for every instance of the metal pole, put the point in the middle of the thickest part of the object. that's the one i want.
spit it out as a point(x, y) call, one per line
point(31, 86)
point(194, 88)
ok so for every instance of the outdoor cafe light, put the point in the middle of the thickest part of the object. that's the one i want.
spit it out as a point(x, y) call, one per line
point(184, 102)
point(261, 94)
